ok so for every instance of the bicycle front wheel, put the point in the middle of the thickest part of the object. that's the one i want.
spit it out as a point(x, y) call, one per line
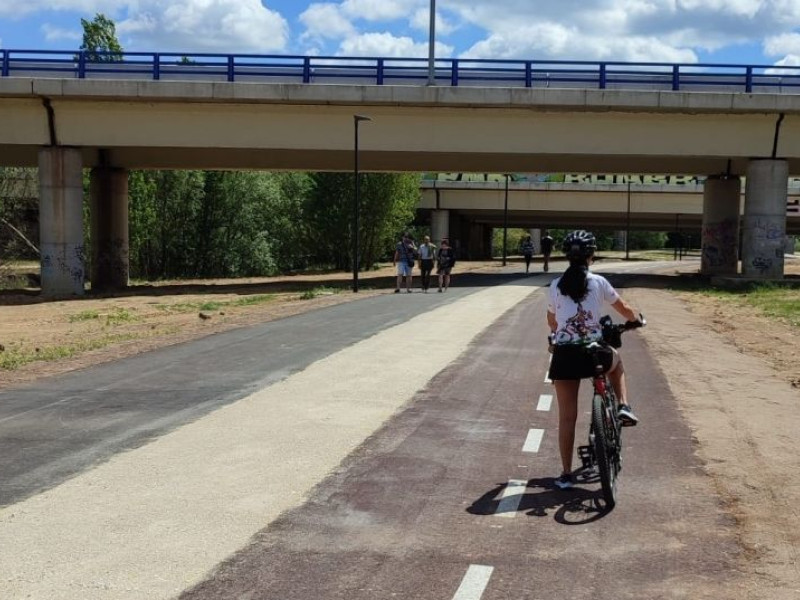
point(605, 448)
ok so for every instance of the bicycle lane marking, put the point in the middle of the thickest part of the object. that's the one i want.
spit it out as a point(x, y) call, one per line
point(533, 441)
point(545, 402)
point(510, 498)
point(474, 583)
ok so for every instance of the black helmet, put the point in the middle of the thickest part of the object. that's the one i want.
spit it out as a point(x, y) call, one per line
point(579, 244)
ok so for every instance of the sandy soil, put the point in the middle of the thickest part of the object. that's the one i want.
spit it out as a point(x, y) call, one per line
point(741, 397)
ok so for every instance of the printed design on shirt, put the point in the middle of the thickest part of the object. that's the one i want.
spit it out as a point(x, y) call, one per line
point(578, 328)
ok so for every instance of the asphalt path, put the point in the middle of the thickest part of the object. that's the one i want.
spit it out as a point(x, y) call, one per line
point(60, 426)
point(452, 497)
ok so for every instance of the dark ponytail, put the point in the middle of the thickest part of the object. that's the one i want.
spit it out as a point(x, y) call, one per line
point(574, 282)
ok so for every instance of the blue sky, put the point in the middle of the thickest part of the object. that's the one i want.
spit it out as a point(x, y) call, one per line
point(727, 31)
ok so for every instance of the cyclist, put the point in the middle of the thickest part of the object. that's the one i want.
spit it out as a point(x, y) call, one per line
point(573, 314)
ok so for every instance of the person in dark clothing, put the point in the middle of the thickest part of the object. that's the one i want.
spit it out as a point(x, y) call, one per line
point(547, 248)
point(446, 260)
point(526, 247)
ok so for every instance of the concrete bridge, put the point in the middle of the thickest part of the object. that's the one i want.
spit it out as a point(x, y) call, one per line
point(64, 115)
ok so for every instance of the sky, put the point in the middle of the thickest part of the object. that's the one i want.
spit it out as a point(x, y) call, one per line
point(757, 32)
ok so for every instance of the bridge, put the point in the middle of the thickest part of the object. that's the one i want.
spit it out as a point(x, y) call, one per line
point(153, 110)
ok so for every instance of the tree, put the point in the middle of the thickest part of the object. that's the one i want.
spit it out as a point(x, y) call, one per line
point(100, 41)
point(388, 202)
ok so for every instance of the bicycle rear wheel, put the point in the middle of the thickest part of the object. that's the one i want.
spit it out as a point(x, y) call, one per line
point(605, 448)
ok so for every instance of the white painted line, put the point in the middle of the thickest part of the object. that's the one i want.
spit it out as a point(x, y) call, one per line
point(511, 497)
point(545, 401)
point(474, 583)
point(547, 372)
point(533, 440)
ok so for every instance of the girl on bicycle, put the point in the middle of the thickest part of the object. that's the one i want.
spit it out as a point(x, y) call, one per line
point(573, 314)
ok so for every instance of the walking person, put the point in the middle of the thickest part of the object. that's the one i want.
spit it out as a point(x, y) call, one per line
point(404, 257)
point(427, 254)
point(446, 260)
point(547, 248)
point(527, 251)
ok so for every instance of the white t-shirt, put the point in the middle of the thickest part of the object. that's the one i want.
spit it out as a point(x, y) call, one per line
point(578, 322)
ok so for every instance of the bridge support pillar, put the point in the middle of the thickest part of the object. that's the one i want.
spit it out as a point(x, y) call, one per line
point(440, 225)
point(720, 233)
point(109, 222)
point(61, 221)
point(536, 238)
point(764, 225)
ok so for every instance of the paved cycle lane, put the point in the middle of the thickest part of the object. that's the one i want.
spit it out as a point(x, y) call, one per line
point(454, 498)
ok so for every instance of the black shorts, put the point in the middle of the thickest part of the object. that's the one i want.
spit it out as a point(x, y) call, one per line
point(574, 361)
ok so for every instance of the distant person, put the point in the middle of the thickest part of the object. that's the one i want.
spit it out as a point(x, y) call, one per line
point(527, 251)
point(427, 254)
point(547, 248)
point(404, 257)
point(446, 260)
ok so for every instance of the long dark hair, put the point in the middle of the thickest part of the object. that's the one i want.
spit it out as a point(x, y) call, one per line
point(574, 282)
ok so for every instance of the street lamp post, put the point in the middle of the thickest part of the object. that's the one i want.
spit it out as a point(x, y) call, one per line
point(356, 203)
point(432, 45)
point(505, 222)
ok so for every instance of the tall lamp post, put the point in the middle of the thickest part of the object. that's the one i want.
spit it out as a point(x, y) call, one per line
point(432, 45)
point(505, 222)
point(356, 203)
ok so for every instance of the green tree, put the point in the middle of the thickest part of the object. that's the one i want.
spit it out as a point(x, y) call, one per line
point(100, 41)
point(387, 205)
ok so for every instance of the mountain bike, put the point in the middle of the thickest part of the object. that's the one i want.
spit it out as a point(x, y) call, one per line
point(603, 453)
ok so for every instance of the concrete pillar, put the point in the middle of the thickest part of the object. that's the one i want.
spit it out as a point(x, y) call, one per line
point(61, 221)
point(764, 224)
point(109, 222)
point(720, 232)
point(536, 238)
point(620, 239)
point(440, 225)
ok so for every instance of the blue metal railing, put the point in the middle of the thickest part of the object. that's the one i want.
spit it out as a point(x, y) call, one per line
point(399, 71)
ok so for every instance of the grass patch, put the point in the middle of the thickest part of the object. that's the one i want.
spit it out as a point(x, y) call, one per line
point(214, 305)
point(253, 300)
point(774, 301)
point(319, 291)
point(84, 315)
point(16, 357)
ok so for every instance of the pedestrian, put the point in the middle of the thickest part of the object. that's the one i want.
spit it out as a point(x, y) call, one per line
point(446, 259)
point(404, 257)
point(527, 251)
point(547, 248)
point(427, 254)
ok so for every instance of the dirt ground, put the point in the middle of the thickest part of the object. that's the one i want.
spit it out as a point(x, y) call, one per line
point(733, 371)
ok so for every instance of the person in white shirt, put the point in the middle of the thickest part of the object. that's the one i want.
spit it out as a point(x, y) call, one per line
point(573, 313)
point(427, 253)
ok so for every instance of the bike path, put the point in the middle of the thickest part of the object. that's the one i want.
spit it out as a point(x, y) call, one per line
point(61, 426)
point(445, 502)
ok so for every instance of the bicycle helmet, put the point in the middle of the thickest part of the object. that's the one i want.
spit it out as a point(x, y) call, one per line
point(579, 244)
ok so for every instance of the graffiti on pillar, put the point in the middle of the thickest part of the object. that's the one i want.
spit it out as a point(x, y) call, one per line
point(762, 264)
point(719, 243)
point(768, 230)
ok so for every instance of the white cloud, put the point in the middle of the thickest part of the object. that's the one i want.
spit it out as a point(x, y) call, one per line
point(378, 10)
point(660, 30)
point(325, 21)
point(204, 25)
point(386, 44)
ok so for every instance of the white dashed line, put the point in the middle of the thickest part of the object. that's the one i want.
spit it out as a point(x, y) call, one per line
point(474, 583)
point(545, 400)
point(533, 440)
point(547, 372)
point(511, 497)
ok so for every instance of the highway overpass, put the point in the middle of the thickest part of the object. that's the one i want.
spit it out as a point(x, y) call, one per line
point(143, 110)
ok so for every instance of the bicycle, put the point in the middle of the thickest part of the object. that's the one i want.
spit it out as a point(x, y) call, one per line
point(604, 450)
